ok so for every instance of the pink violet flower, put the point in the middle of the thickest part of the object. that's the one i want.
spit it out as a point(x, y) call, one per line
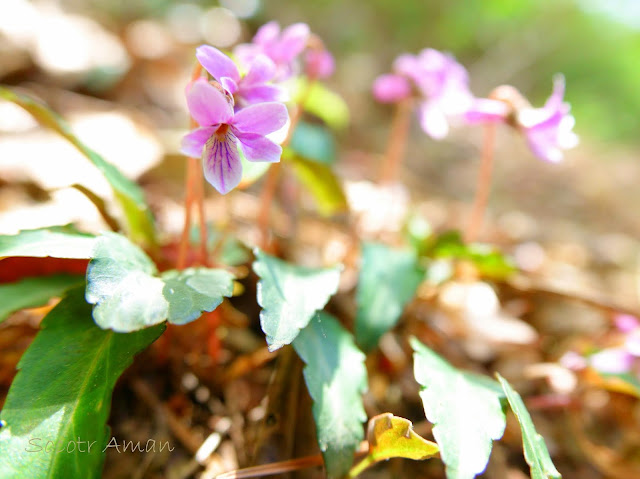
point(249, 89)
point(319, 63)
point(282, 47)
point(548, 130)
point(222, 130)
point(611, 361)
point(437, 79)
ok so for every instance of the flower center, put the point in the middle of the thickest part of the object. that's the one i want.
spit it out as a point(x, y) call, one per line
point(221, 132)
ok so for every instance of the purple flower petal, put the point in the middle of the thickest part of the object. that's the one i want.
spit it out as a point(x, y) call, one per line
point(262, 118)
point(391, 88)
point(486, 110)
point(207, 105)
point(319, 64)
point(292, 41)
point(247, 52)
point(267, 34)
point(221, 162)
point(433, 121)
point(611, 361)
point(555, 100)
point(406, 65)
point(259, 148)
point(217, 63)
point(194, 141)
point(263, 93)
point(229, 85)
point(261, 70)
point(626, 322)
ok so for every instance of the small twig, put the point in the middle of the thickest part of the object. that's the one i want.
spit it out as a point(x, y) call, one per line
point(526, 285)
point(274, 468)
point(179, 430)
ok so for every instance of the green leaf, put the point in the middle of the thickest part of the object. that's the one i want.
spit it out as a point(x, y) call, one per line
point(62, 394)
point(32, 292)
point(128, 295)
point(56, 241)
point(314, 142)
point(391, 436)
point(322, 183)
point(130, 196)
point(290, 295)
point(535, 450)
point(336, 378)
point(194, 290)
point(465, 408)
point(489, 261)
point(388, 280)
point(323, 103)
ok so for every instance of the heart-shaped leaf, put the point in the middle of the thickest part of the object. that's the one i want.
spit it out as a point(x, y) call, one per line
point(322, 183)
point(56, 241)
point(128, 295)
point(56, 411)
point(336, 378)
point(290, 295)
point(388, 280)
point(535, 450)
point(465, 408)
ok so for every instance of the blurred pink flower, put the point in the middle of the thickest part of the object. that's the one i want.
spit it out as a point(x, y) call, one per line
point(548, 130)
point(437, 79)
point(221, 131)
point(611, 361)
point(319, 63)
point(282, 47)
point(254, 87)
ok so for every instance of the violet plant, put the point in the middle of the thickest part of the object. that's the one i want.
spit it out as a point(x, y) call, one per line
point(126, 298)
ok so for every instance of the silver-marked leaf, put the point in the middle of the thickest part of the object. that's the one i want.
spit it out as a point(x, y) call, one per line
point(122, 286)
point(290, 295)
point(56, 411)
point(465, 408)
point(56, 241)
point(128, 295)
point(336, 378)
point(388, 280)
point(32, 292)
point(535, 450)
point(194, 290)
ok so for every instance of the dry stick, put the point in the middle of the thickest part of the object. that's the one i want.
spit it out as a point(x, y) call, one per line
point(484, 184)
point(274, 468)
point(397, 141)
point(271, 183)
point(178, 429)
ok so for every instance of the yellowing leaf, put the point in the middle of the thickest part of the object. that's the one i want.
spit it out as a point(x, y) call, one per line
point(392, 436)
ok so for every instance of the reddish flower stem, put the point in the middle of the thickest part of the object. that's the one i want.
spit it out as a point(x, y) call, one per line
point(484, 184)
point(271, 182)
point(397, 143)
point(193, 193)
